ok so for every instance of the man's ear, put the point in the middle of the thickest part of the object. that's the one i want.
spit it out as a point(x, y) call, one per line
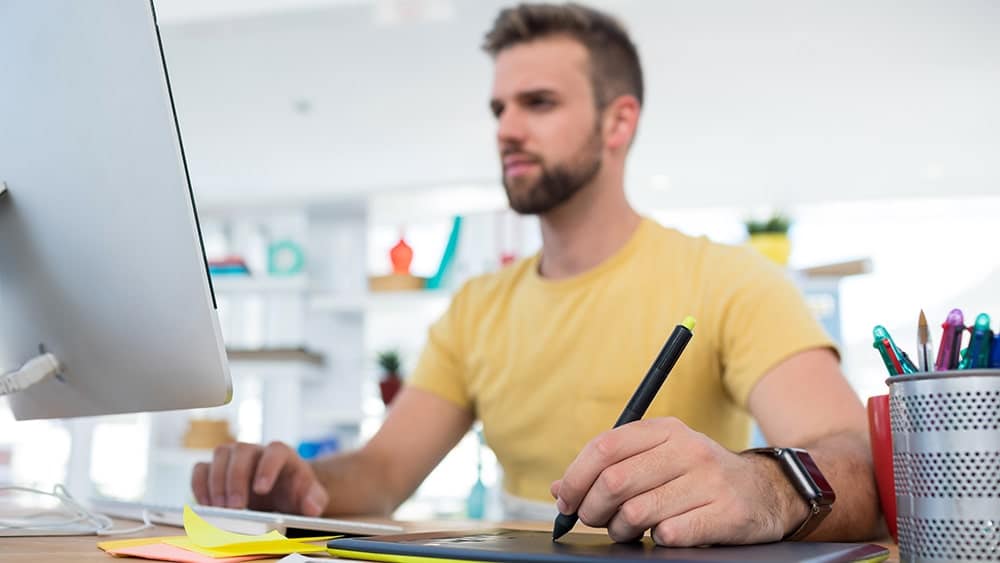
point(621, 118)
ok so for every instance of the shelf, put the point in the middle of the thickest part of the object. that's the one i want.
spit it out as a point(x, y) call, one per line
point(274, 355)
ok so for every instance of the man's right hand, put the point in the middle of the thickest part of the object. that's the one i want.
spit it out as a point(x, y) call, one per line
point(262, 478)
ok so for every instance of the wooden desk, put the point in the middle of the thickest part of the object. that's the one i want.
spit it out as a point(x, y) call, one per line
point(84, 548)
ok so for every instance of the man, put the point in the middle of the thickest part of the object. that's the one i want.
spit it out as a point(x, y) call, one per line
point(547, 351)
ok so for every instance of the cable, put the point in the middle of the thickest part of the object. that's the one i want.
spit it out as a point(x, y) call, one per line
point(37, 369)
point(78, 521)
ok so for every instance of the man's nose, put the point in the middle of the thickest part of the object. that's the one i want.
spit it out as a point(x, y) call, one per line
point(511, 127)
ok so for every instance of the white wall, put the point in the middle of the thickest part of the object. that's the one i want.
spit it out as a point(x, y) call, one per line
point(771, 100)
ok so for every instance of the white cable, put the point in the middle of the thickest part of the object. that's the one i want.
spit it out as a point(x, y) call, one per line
point(79, 520)
point(37, 369)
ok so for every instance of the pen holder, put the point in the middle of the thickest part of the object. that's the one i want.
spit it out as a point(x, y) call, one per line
point(946, 462)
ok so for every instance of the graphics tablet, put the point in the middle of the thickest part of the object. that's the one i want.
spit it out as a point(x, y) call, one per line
point(525, 546)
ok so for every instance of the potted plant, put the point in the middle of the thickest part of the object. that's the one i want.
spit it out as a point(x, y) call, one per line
point(770, 237)
point(391, 381)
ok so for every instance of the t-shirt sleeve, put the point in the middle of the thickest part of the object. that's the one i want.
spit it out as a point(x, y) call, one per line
point(441, 368)
point(762, 319)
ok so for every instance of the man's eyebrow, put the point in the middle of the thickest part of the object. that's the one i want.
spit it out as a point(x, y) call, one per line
point(496, 104)
point(536, 93)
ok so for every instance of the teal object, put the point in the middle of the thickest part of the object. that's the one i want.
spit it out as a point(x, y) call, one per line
point(977, 355)
point(889, 352)
point(285, 258)
point(439, 279)
point(475, 505)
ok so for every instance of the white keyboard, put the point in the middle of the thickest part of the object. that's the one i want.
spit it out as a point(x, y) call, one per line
point(241, 521)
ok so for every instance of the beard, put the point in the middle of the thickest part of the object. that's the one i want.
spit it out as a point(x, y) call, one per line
point(557, 183)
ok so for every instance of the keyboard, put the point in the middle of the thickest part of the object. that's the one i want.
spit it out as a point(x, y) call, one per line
point(241, 520)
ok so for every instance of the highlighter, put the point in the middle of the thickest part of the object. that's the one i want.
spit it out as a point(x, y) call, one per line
point(951, 341)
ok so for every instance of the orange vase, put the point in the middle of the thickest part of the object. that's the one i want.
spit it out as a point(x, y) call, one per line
point(401, 255)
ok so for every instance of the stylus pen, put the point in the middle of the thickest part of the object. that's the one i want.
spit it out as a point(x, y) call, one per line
point(643, 396)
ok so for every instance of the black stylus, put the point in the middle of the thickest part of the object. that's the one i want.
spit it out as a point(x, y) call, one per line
point(643, 396)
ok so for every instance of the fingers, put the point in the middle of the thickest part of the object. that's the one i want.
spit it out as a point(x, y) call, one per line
point(217, 476)
point(242, 463)
point(646, 510)
point(554, 488)
point(199, 483)
point(315, 500)
point(273, 477)
point(305, 494)
point(608, 449)
point(272, 460)
point(693, 528)
point(650, 471)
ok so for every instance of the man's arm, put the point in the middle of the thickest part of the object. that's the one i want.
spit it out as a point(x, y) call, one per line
point(420, 430)
point(806, 402)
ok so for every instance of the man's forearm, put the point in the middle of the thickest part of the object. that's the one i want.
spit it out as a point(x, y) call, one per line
point(845, 460)
point(357, 484)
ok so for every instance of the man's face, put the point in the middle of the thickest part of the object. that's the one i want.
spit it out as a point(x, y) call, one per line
point(547, 125)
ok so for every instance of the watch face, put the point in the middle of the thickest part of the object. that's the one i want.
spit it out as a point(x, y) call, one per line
point(816, 485)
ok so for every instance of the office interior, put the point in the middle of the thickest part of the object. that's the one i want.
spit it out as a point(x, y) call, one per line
point(318, 133)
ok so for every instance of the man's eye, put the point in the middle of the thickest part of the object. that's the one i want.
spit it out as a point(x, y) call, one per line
point(541, 103)
point(496, 110)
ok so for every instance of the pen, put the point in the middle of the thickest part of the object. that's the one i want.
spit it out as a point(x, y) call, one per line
point(896, 361)
point(951, 341)
point(978, 355)
point(925, 347)
point(643, 396)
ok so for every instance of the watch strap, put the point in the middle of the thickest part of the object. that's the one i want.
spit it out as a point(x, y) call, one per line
point(818, 507)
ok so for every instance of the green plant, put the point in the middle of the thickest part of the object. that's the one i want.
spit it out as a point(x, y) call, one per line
point(777, 223)
point(389, 361)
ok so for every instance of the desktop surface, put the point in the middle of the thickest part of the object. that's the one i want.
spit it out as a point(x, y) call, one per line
point(84, 548)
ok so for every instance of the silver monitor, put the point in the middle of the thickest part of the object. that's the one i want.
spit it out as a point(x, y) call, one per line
point(103, 279)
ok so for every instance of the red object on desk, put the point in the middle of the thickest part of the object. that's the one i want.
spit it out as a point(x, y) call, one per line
point(880, 432)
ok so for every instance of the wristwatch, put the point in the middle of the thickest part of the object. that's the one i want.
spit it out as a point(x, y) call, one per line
point(807, 479)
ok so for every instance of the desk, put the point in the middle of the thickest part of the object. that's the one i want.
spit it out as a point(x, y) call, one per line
point(84, 548)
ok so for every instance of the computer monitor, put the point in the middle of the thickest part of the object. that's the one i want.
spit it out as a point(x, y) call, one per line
point(101, 260)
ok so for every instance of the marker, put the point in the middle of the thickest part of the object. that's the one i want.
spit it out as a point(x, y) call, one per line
point(925, 347)
point(951, 341)
point(978, 355)
point(643, 396)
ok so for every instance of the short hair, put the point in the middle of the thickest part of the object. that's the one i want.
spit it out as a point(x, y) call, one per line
point(614, 60)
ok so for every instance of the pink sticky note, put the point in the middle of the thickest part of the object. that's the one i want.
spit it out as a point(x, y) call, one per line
point(166, 552)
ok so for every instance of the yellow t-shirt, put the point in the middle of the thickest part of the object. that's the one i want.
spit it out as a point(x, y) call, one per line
point(548, 365)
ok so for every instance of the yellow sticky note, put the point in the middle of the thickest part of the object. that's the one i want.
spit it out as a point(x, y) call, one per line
point(203, 534)
point(206, 539)
point(275, 547)
point(112, 545)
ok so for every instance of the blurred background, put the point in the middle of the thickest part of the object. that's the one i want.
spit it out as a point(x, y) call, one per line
point(343, 160)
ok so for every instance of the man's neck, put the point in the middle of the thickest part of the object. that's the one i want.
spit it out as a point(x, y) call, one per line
point(585, 231)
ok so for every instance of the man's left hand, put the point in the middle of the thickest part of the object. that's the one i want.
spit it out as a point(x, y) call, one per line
point(660, 475)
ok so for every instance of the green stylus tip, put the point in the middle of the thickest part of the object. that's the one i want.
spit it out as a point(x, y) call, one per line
point(689, 323)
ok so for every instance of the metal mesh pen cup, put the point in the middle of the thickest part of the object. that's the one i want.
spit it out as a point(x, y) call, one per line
point(946, 463)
